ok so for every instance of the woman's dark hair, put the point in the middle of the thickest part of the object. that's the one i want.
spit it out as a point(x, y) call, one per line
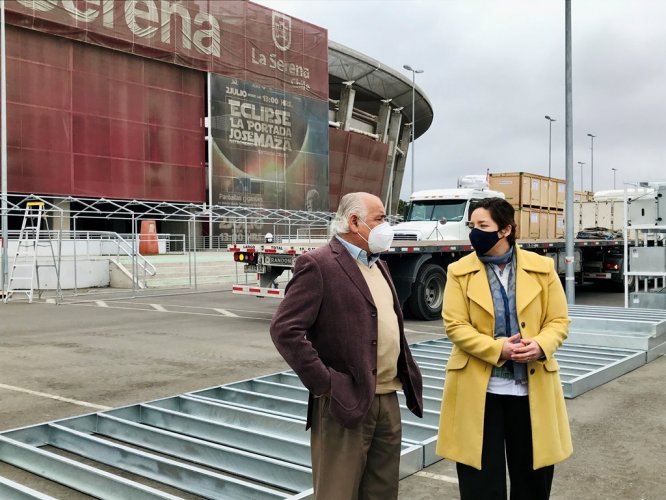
point(501, 212)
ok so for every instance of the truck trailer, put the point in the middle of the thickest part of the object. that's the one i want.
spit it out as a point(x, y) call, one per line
point(434, 234)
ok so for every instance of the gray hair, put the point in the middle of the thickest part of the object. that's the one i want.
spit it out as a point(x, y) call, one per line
point(350, 204)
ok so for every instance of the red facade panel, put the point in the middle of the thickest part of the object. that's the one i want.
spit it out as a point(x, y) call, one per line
point(356, 163)
point(105, 124)
point(127, 99)
point(40, 171)
point(42, 128)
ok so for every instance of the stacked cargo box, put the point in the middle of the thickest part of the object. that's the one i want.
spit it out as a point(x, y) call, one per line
point(538, 201)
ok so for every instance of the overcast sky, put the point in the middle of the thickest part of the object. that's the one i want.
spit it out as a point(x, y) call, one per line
point(495, 68)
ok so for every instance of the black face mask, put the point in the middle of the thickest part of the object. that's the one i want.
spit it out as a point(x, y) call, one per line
point(483, 241)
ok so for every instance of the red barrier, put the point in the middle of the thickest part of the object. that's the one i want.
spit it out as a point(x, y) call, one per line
point(148, 238)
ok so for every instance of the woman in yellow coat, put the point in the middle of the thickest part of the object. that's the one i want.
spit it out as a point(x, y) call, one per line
point(505, 312)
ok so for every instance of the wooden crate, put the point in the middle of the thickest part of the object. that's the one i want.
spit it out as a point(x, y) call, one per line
point(512, 187)
point(525, 190)
point(560, 193)
point(528, 223)
point(535, 190)
point(559, 225)
point(548, 221)
point(583, 196)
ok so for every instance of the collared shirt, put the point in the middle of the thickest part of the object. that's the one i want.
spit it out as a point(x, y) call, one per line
point(502, 274)
point(359, 253)
point(497, 385)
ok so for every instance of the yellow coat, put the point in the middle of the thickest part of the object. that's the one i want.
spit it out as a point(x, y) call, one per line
point(469, 320)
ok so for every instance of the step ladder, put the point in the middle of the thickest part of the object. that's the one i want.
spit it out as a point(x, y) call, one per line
point(24, 272)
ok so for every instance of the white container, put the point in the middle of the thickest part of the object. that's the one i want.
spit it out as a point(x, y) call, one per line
point(473, 181)
point(577, 217)
point(588, 216)
point(605, 214)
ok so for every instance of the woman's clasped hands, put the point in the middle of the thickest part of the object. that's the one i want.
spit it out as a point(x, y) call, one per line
point(521, 350)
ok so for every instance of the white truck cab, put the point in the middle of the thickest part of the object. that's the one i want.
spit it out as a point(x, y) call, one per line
point(440, 214)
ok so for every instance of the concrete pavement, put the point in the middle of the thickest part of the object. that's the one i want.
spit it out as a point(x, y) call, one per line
point(60, 361)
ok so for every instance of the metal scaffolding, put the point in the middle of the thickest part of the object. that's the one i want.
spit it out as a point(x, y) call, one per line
point(71, 210)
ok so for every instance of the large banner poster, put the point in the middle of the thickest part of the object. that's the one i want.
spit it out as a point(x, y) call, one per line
point(270, 148)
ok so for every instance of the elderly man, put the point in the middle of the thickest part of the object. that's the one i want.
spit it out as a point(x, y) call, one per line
point(340, 328)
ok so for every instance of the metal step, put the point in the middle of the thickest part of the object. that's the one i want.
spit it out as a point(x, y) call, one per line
point(640, 329)
point(581, 367)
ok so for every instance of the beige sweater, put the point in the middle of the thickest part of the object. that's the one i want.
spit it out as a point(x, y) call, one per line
point(388, 341)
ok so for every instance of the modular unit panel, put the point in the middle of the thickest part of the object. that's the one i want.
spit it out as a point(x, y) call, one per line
point(588, 214)
point(561, 194)
point(647, 259)
point(642, 211)
point(605, 214)
point(544, 195)
point(559, 225)
point(618, 215)
point(535, 191)
point(551, 225)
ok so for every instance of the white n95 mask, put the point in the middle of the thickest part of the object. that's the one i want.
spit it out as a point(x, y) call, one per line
point(380, 237)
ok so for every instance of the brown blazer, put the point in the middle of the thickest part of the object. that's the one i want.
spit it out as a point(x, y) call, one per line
point(326, 330)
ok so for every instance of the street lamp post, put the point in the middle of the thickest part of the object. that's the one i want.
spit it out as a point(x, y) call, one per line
point(581, 163)
point(414, 71)
point(550, 136)
point(3, 153)
point(591, 161)
point(614, 170)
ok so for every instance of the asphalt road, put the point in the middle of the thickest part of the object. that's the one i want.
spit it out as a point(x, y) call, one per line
point(61, 361)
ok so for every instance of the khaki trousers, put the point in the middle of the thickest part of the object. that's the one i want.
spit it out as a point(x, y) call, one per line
point(361, 463)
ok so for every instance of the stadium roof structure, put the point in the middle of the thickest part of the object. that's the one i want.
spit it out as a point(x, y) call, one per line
point(379, 81)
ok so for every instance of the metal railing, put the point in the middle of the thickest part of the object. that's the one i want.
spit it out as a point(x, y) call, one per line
point(102, 243)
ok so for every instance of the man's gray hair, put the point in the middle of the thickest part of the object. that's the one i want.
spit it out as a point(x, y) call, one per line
point(350, 204)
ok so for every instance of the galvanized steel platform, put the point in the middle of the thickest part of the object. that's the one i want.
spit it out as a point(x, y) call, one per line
point(247, 439)
point(638, 329)
point(581, 367)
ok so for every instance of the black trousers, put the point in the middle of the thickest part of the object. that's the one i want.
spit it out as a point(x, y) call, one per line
point(507, 431)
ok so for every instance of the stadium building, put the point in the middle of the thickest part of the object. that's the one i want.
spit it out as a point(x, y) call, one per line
point(198, 102)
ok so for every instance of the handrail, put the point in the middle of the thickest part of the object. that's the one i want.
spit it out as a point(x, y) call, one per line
point(141, 261)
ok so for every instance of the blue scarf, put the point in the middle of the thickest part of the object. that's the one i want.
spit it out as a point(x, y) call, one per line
point(506, 315)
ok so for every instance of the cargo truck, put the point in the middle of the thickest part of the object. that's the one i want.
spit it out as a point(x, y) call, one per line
point(434, 234)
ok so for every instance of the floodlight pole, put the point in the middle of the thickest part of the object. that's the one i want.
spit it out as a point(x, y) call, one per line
point(3, 140)
point(591, 136)
point(550, 142)
point(209, 107)
point(570, 279)
point(414, 71)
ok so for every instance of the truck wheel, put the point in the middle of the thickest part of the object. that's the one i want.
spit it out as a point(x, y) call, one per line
point(426, 300)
